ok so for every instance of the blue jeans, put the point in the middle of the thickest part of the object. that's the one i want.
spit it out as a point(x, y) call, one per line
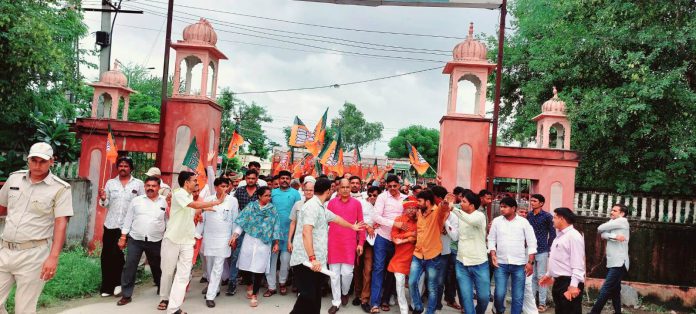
point(432, 267)
point(517, 276)
point(470, 278)
point(233, 265)
point(611, 289)
point(540, 263)
point(383, 250)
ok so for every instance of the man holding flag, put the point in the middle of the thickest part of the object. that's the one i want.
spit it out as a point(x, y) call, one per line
point(116, 197)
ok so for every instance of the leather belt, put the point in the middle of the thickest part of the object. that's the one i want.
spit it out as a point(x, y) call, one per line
point(24, 245)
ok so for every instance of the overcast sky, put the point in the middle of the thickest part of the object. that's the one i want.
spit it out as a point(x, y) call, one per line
point(255, 66)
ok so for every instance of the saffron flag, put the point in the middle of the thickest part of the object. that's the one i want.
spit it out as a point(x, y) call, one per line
point(299, 134)
point(193, 161)
point(354, 163)
point(284, 163)
point(332, 155)
point(111, 152)
point(235, 142)
point(417, 160)
point(315, 146)
point(375, 170)
point(304, 166)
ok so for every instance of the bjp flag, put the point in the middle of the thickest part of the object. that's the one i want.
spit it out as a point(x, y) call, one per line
point(299, 134)
point(354, 163)
point(315, 146)
point(417, 160)
point(111, 152)
point(236, 142)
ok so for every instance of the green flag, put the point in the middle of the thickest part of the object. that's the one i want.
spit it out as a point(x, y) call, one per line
point(192, 155)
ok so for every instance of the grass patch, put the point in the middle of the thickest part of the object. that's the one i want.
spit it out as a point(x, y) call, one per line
point(78, 276)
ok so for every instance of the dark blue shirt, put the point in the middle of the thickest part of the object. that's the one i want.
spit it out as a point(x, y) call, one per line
point(244, 198)
point(544, 231)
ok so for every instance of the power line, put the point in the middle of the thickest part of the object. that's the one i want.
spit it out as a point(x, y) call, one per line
point(313, 35)
point(311, 46)
point(314, 25)
point(338, 84)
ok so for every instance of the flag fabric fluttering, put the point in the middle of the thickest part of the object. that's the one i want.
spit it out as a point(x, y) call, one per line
point(111, 151)
point(355, 166)
point(304, 166)
point(193, 160)
point(315, 146)
point(284, 163)
point(299, 134)
point(374, 170)
point(332, 155)
point(235, 142)
point(417, 160)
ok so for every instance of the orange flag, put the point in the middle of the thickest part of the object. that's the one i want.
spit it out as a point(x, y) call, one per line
point(417, 161)
point(315, 146)
point(111, 152)
point(236, 142)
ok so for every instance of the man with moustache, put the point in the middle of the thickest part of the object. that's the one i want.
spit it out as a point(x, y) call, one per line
point(142, 231)
point(116, 196)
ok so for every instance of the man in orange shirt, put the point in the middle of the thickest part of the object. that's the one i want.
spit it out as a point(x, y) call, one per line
point(405, 243)
point(426, 256)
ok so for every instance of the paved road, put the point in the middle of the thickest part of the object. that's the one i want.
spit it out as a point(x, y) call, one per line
point(145, 301)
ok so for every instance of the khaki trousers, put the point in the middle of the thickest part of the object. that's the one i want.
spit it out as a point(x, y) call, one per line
point(24, 268)
point(177, 260)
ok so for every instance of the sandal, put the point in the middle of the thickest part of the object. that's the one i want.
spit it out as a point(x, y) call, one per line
point(254, 301)
point(162, 306)
point(385, 307)
point(269, 293)
point(249, 292)
point(374, 310)
point(454, 305)
point(542, 308)
point(283, 290)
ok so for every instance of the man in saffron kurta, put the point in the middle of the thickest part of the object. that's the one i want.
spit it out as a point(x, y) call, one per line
point(405, 243)
point(344, 243)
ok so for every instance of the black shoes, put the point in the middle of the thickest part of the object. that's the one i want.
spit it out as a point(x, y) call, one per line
point(210, 303)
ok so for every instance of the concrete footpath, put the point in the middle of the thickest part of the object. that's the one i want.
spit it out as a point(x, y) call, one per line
point(145, 301)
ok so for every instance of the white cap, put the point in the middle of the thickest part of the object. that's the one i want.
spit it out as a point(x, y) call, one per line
point(42, 150)
point(310, 179)
point(153, 172)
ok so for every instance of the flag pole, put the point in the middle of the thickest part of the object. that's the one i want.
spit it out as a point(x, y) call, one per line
point(227, 163)
point(101, 184)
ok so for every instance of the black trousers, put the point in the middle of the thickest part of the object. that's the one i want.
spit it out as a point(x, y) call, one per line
point(562, 305)
point(309, 298)
point(257, 281)
point(112, 261)
point(135, 252)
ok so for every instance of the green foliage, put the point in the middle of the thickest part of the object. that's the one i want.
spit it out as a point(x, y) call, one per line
point(145, 103)
point(249, 117)
point(627, 73)
point(426, 141)
point(233, 164)
point(65, 145)
point(355, 130)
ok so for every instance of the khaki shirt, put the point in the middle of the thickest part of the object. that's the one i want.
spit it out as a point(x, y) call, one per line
point(33, 208)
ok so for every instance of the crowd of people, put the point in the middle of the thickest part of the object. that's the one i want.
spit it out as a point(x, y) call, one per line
point(376, 242)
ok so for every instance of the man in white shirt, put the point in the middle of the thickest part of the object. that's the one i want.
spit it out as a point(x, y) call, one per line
point(616, 232)
point(116, 197)
point(506, 243)
point(216, 230)
point(142, 231)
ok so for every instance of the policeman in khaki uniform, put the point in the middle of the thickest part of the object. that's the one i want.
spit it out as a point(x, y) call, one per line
point(37, 206)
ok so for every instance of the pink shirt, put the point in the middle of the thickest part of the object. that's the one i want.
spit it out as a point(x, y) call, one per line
point(567, 256)
point(343, 241)
point(387, 208)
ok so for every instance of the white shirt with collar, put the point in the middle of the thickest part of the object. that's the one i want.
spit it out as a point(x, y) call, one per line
point(118, 198)
point(617, 251)
point(144, 219)
point(508, 237)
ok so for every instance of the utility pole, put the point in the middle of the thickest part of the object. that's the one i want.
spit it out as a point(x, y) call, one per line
point(165, 84)
point(105, 51)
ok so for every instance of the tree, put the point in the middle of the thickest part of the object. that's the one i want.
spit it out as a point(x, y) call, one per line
point(249, 117)
point(355, 130)
point(627, 73)
point(39, 62)
point(145, 102)
point(426, 141)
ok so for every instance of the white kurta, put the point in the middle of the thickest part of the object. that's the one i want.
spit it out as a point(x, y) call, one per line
point(217, 227)
point(254, 256)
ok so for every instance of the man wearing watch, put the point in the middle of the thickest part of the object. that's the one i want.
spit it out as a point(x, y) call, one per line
point(311, 244)
point(506, 243)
